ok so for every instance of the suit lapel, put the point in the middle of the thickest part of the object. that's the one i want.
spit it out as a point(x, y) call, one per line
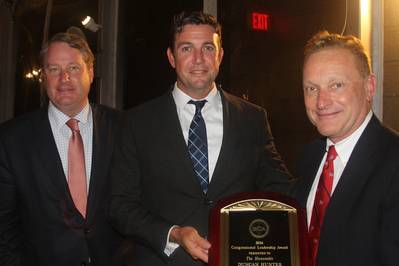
point(355, 175)
point(222, 169)
point(173, 135)
point(47, 151)
point(100, 158)
point(311, 162)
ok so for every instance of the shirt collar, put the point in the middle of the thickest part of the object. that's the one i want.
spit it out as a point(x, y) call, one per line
point(181, 98)
point(345, 147)
point(60, 118)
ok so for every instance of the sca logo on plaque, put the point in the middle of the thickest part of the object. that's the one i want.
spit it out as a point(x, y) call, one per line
point(258, 228)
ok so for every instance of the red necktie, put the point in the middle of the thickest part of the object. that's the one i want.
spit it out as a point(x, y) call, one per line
point(76, 168)
point(321, 201)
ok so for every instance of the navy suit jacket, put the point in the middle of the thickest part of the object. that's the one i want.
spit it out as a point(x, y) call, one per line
point(361, 221)
point(39, 224)
point(155, 186)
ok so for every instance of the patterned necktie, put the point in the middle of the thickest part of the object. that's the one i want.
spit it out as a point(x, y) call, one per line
point(76, 168)
point(321, 201)
point(198, 145)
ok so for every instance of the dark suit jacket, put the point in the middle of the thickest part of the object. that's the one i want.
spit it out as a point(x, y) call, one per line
point(155, 186)
point(361, 221)
point(39, 224)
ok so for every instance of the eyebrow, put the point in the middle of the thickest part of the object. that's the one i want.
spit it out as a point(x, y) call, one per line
point(307, 83)
point(183, 43)
point(179, 44)
point(56, 64)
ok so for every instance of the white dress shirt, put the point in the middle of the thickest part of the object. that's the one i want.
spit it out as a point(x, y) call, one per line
point(212, 112)
point(344, 150)
point(62, 134)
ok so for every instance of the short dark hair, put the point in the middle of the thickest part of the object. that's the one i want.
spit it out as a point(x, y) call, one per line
point(73, 40)
point(192, 18)
point(324, 39)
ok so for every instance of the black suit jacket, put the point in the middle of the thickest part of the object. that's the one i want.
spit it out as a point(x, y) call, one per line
point(361, 221)
point(39, 224)
point(155, 186)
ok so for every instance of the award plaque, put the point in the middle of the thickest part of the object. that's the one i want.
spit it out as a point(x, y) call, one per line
point(258, 229)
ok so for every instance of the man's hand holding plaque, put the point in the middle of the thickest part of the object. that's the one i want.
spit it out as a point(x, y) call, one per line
point(189, 239)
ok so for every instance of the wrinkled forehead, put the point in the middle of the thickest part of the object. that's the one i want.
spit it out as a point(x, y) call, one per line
point(332, 56)
point(197, 31)
point(348, 56)
point(63, 53)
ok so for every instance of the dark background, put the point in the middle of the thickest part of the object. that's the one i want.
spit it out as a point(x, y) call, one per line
point(263, 67)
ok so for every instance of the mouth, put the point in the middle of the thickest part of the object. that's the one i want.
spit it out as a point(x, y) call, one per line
point(65, 91)
point(198, 71)
point(326, 115)
point(65, 88)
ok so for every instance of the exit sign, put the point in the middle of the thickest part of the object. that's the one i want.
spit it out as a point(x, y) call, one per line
point(260, 21)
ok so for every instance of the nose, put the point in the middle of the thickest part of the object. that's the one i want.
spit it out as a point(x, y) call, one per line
point(323, 99)
point(198, 56)
point(65, 76)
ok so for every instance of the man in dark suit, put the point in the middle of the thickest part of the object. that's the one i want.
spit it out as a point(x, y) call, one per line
point(351, 194)
point(182, 152)
point(43, 220)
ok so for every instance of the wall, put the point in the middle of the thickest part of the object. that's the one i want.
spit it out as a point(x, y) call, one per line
point(266, 67)
point(7, 66)
point(391, 64)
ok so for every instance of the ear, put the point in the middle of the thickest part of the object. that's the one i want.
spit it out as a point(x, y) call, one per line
point(91, 74)
point(221, 53)
point(171, 57)
point(370, 87)
point(43, 77)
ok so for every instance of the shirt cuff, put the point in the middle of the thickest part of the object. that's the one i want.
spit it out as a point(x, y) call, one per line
point(170, 246)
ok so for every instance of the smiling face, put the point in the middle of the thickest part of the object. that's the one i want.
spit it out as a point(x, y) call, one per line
point(196, 56)
point(337, 97)
point(67, 78)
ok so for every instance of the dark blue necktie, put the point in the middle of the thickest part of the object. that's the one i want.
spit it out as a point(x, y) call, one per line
point(198, 145)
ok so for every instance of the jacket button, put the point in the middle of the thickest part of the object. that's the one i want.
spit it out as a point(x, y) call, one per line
point(208, 202)
point(87, 230)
